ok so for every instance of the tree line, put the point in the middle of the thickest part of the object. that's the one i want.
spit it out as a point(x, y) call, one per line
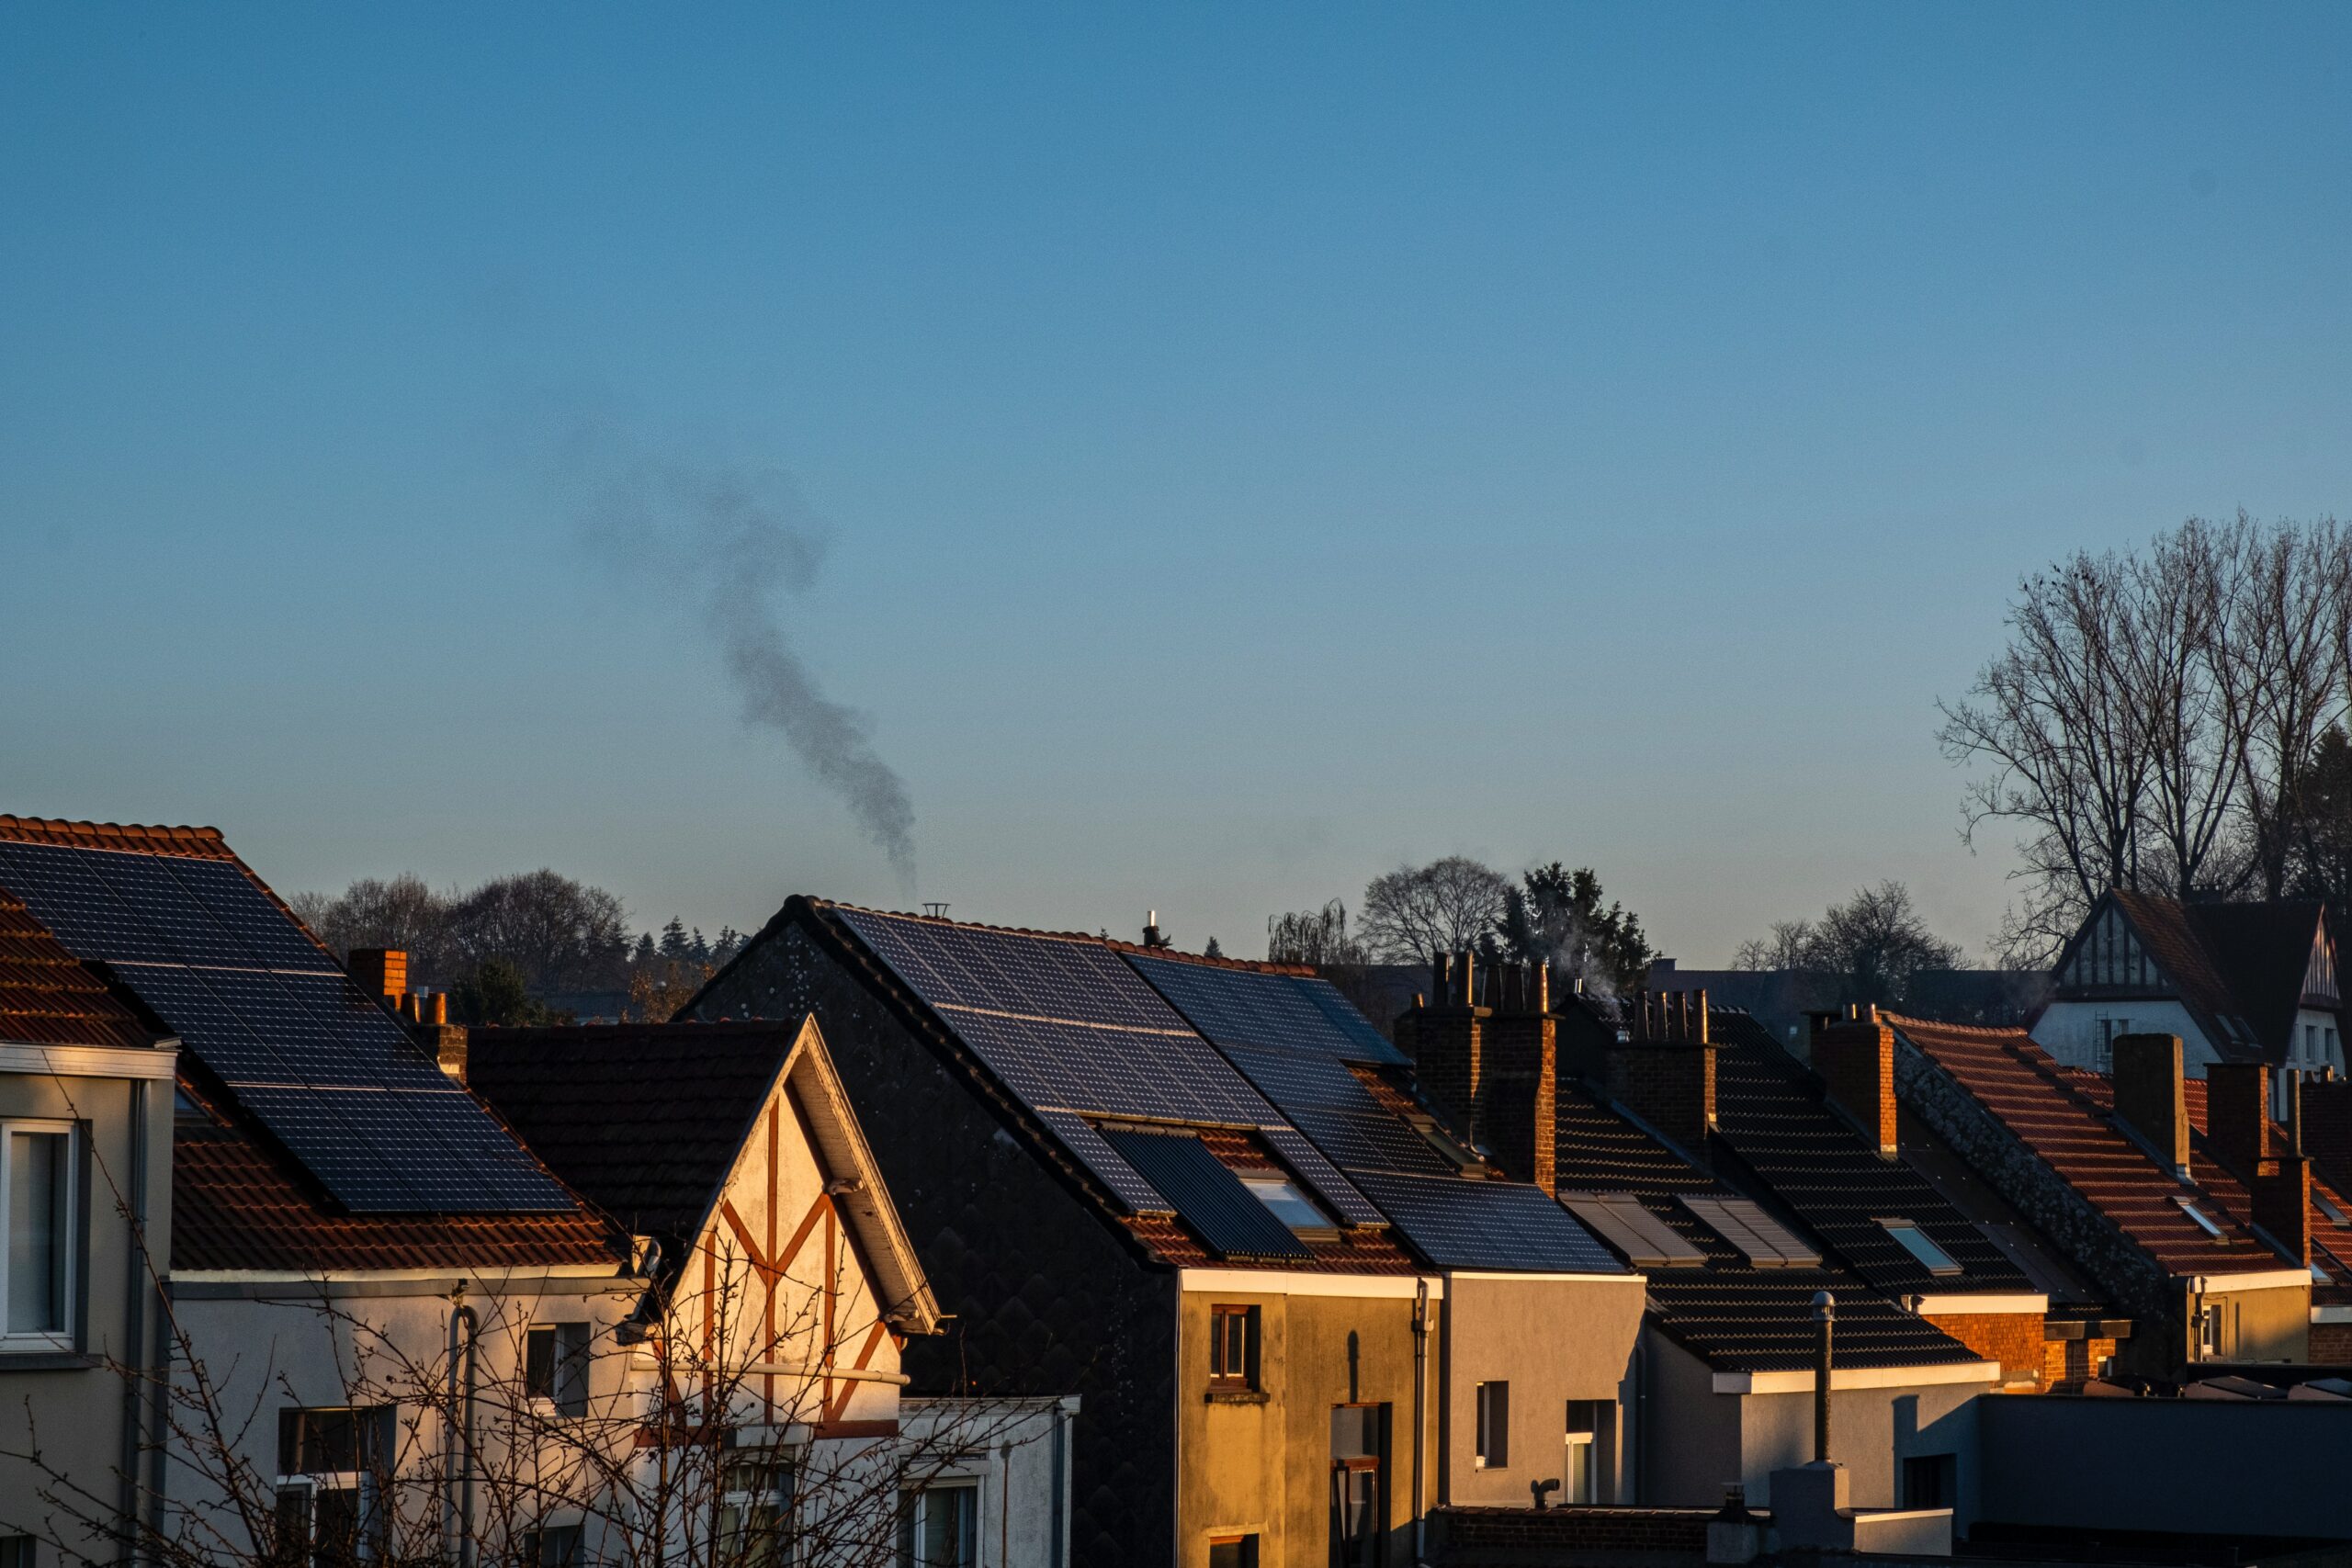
point(2169, 720)
point(503, 949)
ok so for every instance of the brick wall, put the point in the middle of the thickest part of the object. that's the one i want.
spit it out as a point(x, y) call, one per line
point(1669, 1085)
point(2070, 1363)
point(1518, 1114)
point(2012, 1338)
point(2332, 1343)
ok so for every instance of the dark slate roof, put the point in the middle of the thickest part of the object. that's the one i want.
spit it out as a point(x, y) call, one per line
point(1731, 1315)
point(1769, 1108)
point(2064, 1116)
point(644, 1120)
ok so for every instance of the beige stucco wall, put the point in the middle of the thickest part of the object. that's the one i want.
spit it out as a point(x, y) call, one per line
point(1552, 1340)
point(77, 1412)
point(1264, 1468)
point(2273, 1324)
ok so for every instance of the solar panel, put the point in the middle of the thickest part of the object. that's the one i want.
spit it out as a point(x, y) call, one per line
point(1334, 1189)
point(1761, 1239)
point(1295, 1079)
point(1208, 1197)
point(1647, 1241)
point(1242, 1007)
point(1460, 1224)
point(1038, 977)
point(1375, 1141)
point(1370, 1045)
point(1125, 1181)
point(265, 1010)
point(1124, 1072)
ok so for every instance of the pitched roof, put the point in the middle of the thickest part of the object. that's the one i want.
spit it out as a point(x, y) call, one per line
point(2064, 1116)
point(48, 997)
point(647, 1121)
point(1729, 1314)
point(237, 1204)
point(2232, 965)
point(1770, 1110)
point(1066, 1035)
point(2331, 1242)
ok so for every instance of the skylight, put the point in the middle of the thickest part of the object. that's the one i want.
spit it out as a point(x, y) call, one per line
point(1921, 1246)
point(2335, 1216)
point(2203, 1220)
point(1288, 1204)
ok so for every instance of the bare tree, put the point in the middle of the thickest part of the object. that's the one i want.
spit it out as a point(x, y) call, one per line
point(1417, 912)
point(1315, 937)
point(1788, 945)
point(1869, 949)
point(401, 912)
point(562, 934)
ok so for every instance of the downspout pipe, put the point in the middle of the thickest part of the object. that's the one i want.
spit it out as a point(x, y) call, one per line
point(1825, 1316)
point(458, 1496)
point(134, 1324)
point(1421, 1434)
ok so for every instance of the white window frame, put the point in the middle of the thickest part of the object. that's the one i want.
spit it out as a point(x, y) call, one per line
point(373, 1525)
point(68, 1238)
point(915, 1499)
point(569, 1366)
point(1580, 1471)
point(782, 1468)
point(1492, 1436)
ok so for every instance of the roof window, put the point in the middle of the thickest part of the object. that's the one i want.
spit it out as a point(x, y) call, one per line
point(1285, 1201)
point(1647, 1241)
point(1920, 1245)
point(1761, 1239)
point(2204, 1220)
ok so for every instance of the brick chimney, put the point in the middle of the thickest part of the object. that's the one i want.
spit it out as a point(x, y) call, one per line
point(1856, 1061)
point(1518, 1055)
point(2237, 1114)
point(381, 972)
point(1443, 1036)
point(2282, 1204)
point(1660, 1065)
point(2148, 1096)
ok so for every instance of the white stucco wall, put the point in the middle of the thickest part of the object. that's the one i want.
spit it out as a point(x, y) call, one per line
point(1015, 1454)
point(2069, 1031)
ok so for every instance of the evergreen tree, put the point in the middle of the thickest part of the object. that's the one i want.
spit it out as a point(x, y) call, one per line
point(674, 941)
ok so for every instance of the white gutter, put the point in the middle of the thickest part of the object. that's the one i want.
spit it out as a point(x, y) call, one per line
point(2332, 1315)
point(1857, 1377)
point(2265, 1280)
point(1288, 1282)
point(1628, 1278)
point(487, 1279)
point(154, 1063)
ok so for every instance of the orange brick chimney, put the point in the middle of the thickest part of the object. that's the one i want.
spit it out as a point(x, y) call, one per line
point(1856, 1061)
point(1485, 1048)
point(2148, 1096)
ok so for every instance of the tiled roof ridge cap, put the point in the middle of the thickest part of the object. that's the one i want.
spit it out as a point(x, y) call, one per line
point(208, 842)
point(1096, 938)
point(1988, 1030)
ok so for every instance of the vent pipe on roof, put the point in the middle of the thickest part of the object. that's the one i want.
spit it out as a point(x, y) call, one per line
point(1825, 1316)
point(1152, 936)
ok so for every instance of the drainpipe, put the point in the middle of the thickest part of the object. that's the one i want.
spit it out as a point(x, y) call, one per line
point(1420, 1386)
point(1824, 1314)
point(457, 1446)
point(134, 1321)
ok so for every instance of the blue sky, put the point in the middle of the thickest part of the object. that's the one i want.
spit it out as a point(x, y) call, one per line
point(1258, 445)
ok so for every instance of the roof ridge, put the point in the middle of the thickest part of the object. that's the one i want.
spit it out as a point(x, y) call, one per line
point(1096, 938)
point(1990, 1031)
point(147, 838)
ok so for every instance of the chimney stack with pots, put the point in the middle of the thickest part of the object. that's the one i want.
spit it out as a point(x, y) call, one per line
point(1659, 1065)
point(2149, 1098)
point(1484, 1046)
point(382, 973)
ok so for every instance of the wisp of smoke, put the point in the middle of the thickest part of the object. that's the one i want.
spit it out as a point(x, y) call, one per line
point(731, 538)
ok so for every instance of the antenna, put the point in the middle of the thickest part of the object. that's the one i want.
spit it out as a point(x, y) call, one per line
point(936, 911)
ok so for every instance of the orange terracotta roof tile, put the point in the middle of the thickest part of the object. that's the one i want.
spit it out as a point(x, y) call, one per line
point(197, 844)
point(2063, 1115)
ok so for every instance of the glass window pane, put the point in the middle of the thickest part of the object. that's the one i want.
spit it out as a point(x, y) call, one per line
point(38, 1188)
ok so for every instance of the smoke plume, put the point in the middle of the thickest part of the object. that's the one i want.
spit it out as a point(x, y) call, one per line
point(727, 540)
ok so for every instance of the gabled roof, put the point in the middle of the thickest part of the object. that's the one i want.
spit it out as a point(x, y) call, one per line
point(239, 1205)
point(1730, 1314)
point(2331, 1242)
point(1770, 1110)
point(2238, 968)
point(650, 1120)
point(268, 1020)
point(48, 997)
point(2065, 1117)
point(1066, 1035)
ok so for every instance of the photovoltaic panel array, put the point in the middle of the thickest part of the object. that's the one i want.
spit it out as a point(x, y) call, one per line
point(1293, 1042)
point(1209, 1197)
point(268, 1011)
point(1069, 1028)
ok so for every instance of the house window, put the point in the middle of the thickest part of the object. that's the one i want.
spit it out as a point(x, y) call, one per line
point(552, 1546)
point(1358, 1485)
point(16, 1551)
point(2333, 1059)
point(1930, 1481)
point(2311, 1042)
point(39, 1178)
point(555, 1365)
point(1920, 1245)
point(1233, 1551)
point(755, 1510)
point(1580, 1479)
point(2103, 1055)
point(939, 1527)
point(1493, 1426)
point(331, 1470)
point(1233, 1348)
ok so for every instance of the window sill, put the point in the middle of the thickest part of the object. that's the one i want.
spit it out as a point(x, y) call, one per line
point(46, 1361)
point(1236, 1396)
